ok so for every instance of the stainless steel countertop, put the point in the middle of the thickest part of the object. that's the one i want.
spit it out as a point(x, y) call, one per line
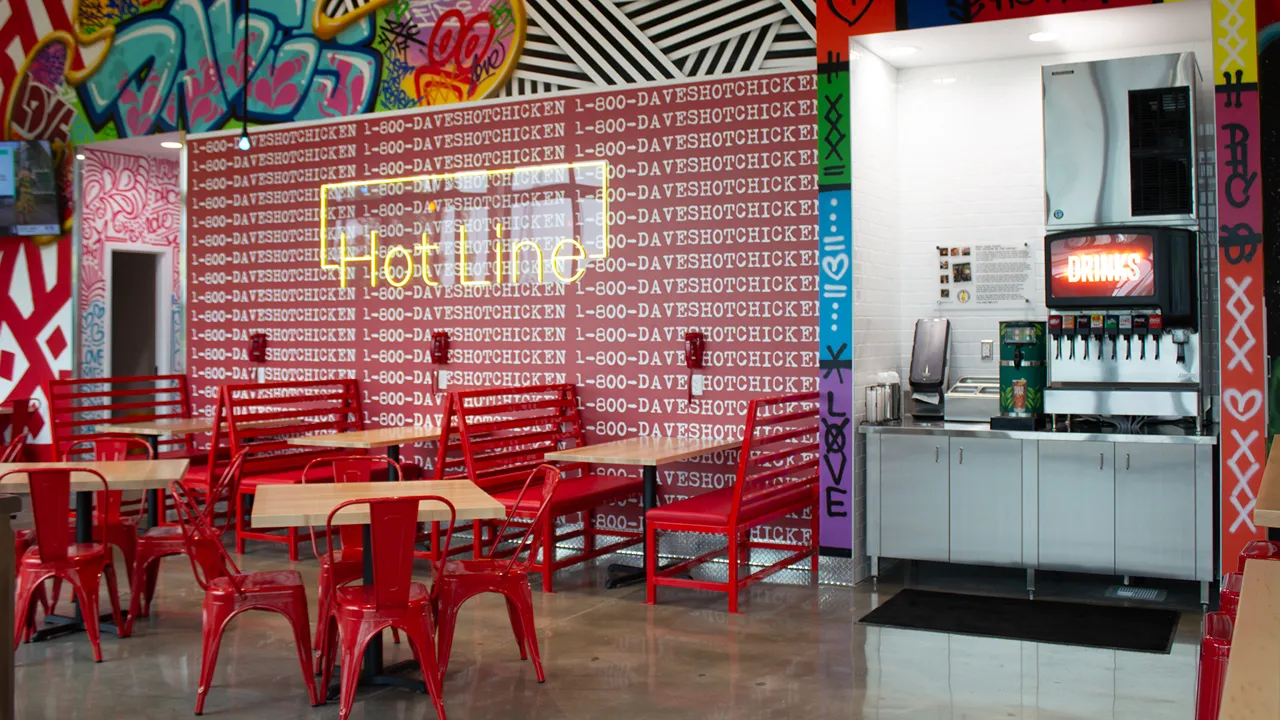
point(1170, 434)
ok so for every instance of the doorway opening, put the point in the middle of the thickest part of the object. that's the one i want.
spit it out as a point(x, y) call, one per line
point(138, 311)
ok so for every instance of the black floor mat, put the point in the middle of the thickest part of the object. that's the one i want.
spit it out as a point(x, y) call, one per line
point(1046, 621)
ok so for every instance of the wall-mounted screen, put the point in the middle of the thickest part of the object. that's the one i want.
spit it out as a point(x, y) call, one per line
point(28, 189)
point(1102, 266)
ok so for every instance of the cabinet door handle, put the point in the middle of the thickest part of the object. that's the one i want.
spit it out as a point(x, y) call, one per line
point(961, 456)
point(1099, 461)
point(1126, 461)
point(935, 453)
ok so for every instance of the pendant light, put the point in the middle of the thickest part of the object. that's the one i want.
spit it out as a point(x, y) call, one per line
point(243, 142)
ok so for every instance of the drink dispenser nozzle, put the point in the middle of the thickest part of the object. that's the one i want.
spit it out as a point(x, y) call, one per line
point(1096, 328)
point(1141, 328)
point(1180, 340)
point(1126, 331)
point(1082, 327)
point(1069, 329)
point(1112, 327)
point(1156, 327)
point(1055, 332)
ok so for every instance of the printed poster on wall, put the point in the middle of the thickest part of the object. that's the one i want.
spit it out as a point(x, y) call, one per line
point(985, 275)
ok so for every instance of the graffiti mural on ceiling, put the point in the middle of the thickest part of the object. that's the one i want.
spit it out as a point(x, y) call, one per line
point(131, 67)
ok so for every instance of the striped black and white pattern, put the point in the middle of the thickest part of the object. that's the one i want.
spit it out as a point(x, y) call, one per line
point(577, 44)
point(337, 8)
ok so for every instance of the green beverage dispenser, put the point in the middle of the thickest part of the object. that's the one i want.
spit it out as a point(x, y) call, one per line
point(1024, 347)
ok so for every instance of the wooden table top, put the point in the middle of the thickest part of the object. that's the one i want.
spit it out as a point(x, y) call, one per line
point(368, 439)
point(644, 450)
point(164, 426)
point(120, 474)
point(1266, 511)
point(1252, 689)
point(302, 505)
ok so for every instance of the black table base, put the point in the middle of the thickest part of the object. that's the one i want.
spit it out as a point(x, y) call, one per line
point(620, 574)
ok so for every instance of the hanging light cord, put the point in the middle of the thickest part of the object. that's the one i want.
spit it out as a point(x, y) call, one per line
point(243, 143)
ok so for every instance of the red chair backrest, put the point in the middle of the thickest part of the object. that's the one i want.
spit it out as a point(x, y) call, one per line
point(14, 451)
point(496, 437)
point(209, 559)
point(110, 448)
point(393, 529)
point(779, 447)
point(50, 492)
point(350, 468)
point(78, 407)
point(224, 490)
point(546, 478)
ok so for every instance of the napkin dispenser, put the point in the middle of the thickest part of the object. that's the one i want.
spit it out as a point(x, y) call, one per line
point(930, 357)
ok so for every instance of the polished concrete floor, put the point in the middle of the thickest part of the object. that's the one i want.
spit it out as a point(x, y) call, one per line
point(796, 652)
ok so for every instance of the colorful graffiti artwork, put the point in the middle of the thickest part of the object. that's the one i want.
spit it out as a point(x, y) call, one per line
point(124, 68)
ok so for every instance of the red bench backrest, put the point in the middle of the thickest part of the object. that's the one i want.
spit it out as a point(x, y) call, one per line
point(495, 437)
point(779, 448)
point(260, 417)
point(77, 408)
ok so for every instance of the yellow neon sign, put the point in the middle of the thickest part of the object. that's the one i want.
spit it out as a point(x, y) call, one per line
point(566, 250)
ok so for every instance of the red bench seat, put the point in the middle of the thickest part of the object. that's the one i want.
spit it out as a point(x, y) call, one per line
point(777, 476)
point(573, 495)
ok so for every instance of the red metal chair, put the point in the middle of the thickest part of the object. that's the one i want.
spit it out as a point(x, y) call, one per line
point(229, 592)
point(360, 612)
point(1229, 593)
point(121, 527)
point(24, 540)
point(1215, 649)
point(168, 540)
point(504, 573)
point(347, 563)
point(57, 555)
point(1258, 550)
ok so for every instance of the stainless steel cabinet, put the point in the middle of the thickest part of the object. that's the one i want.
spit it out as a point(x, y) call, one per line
point(914, 511)
point(986, 501)
point(1077, 509)
point(1156, 510)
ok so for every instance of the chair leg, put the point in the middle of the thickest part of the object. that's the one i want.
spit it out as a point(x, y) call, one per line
point(352, 653)
point(216, 617)
point(84, 584)
point(322, 636)
point(733, 571)
point(55, 593)
point(513, 612)
point(328, 653)
point(113, 596)
point(153, 576)
point(446, 622)
point(650, 564)
point(525, 603)
point(477, 539)
point(137, 586)
point(301, 623)
point(548, 551)
point(420, 640)
point(24, 606)
point(293, 544)
point(240, 523)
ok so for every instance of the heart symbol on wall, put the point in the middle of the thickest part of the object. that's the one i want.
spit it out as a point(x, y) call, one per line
point(1242, 406)
point(835, 266)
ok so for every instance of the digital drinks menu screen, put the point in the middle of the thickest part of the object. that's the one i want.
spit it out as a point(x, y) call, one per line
point(1102, 266)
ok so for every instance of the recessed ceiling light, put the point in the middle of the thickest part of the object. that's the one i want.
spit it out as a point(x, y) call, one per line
point(1042, 37)
point(944, 80)
point(171, 145)
point(903, 50)
point(79, 156)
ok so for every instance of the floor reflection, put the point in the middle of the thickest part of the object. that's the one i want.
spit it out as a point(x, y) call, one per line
point(796, 652)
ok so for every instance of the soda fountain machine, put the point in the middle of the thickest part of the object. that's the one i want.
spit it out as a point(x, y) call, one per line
point(1124, 325)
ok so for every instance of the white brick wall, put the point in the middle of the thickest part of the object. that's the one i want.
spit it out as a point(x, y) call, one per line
point(877, 269)
point(960, 162)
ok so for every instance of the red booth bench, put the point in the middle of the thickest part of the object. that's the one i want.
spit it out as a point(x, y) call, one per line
point(86, 408)
point(496, 437)
point(259, 419)
point(777, 476)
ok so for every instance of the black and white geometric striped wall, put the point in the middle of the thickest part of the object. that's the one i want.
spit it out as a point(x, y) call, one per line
point(577, 44)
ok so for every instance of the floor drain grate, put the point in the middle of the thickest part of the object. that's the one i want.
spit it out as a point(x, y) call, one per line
point(1128, 592)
